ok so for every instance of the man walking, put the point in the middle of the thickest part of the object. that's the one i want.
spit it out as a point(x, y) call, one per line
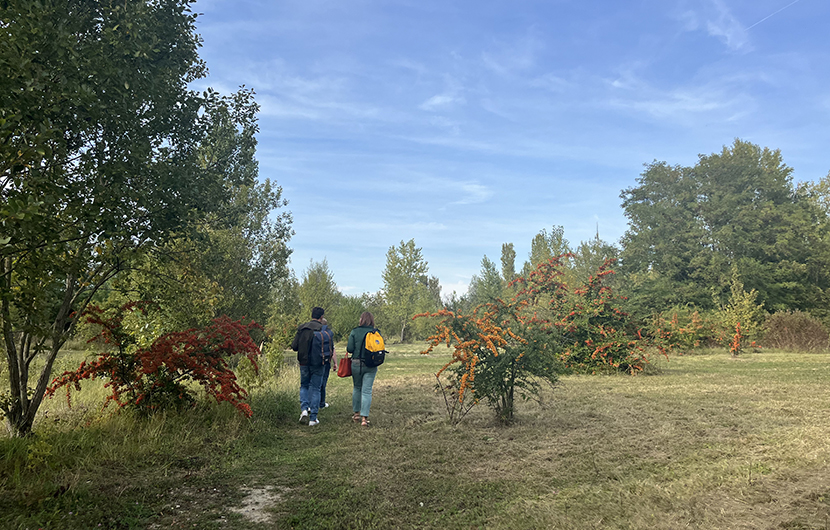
point(311, 375)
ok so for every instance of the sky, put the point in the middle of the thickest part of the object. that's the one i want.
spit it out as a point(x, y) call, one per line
point(468, 124)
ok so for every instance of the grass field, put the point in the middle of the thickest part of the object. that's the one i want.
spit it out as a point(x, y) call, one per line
point(710, 442)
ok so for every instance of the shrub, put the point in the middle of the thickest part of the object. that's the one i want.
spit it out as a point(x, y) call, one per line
point(680, 329)
point(502, 349)
point(157, 377)
point(795, 331)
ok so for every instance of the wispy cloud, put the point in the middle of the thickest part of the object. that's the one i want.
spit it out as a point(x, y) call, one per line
point(472, 193)
point(723, 24)
point(716, 19)
point(685, 104)
point(508, 58)
point(442, 101)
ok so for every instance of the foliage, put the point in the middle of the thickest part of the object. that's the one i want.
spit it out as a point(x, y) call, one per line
point(688, 226)
point(407, 287)
point(742, 310)
point(795, 331)
point(487, 286)
point(109, 163)
point(502, 348)
point(492, 359)
point(596, 335)
point(98, 132)
point(736, 345)
point(545, 246)
point(317, 289)
point(508, 262)
point(156, 377)
point(283, 318)
point(684, 331)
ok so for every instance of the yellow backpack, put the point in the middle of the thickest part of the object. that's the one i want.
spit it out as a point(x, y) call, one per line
point(374, 352)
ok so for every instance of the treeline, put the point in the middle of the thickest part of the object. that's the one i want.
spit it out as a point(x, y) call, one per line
point(731, 240)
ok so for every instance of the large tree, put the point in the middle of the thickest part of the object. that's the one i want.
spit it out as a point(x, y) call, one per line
point(229, 261)
point(407, 287)
point(689, 226)
point(486, 286)
point(99, 161)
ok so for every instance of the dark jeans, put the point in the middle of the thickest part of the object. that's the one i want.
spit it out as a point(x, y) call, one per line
point(311, 377)
point(326, 370)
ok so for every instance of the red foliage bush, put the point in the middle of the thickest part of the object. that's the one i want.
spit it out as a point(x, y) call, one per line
point(156, 378)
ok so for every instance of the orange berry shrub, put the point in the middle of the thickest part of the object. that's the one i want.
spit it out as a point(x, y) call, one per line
point(502, 350)
point(159, 376)
point(595, 335)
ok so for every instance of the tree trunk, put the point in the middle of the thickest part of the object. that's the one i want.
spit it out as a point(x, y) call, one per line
point(22, 409)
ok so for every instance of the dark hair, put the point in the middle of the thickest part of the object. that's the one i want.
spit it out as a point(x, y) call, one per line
point(317, 313)
point(367, 320)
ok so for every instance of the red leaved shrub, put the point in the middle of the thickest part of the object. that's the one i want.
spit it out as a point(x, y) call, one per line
point(157, 377)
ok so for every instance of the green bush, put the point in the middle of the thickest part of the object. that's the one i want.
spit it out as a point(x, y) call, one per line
point(795, 331)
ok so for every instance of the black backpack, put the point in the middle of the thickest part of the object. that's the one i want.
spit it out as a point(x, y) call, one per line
point(372, 349)
point(322, 347)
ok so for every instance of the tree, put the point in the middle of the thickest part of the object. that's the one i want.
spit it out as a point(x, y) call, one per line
point(228, 262)
point(588, 257)
point(407, 288)
point(508, 262)
point(545, 246)
point(99, 148)
point(689, 225)
point(317, 289)
point(487, 286)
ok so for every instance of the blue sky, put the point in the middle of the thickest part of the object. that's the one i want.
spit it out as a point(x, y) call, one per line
point(468, 124)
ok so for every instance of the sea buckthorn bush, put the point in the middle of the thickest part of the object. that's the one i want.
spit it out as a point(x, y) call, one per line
point(159, 376)
point(502, 350)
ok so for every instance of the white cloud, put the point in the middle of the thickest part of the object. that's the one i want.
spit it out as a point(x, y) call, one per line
point(472, 193)
point(441, 101)
point(459, 287)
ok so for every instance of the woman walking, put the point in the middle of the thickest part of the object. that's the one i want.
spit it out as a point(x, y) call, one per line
point(362, 376)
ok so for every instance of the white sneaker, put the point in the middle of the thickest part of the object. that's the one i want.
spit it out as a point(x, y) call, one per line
point(312, 423)
point(304, 416)
point(325, 406)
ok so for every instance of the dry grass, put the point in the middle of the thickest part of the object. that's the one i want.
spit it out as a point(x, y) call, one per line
point(710, 443)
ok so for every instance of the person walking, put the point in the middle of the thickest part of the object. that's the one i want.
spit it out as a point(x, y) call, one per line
point(311, 376)
point(363, 377)
point(328, 365)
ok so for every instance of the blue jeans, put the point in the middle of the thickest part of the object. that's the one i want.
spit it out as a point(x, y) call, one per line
point(311, 378)
point(326, 370)
point(363, 378)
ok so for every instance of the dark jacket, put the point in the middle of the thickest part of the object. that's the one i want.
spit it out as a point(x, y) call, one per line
point(356, 340)
point(302, 340)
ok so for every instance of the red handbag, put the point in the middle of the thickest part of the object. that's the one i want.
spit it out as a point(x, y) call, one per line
point(344, 369)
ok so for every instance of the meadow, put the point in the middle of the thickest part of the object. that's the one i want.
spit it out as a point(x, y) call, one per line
point(709, 442)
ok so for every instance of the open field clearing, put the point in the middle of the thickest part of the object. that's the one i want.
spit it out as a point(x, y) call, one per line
point(711, 442)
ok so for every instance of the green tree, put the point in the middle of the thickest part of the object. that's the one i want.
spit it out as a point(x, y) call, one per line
point(226, 263)
point(317, 289)
point(545, 246)
point(99, 144)
point(689, 225)
point(407, 287)
point(508, 262)
point(487, 286)
point(588, 257)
